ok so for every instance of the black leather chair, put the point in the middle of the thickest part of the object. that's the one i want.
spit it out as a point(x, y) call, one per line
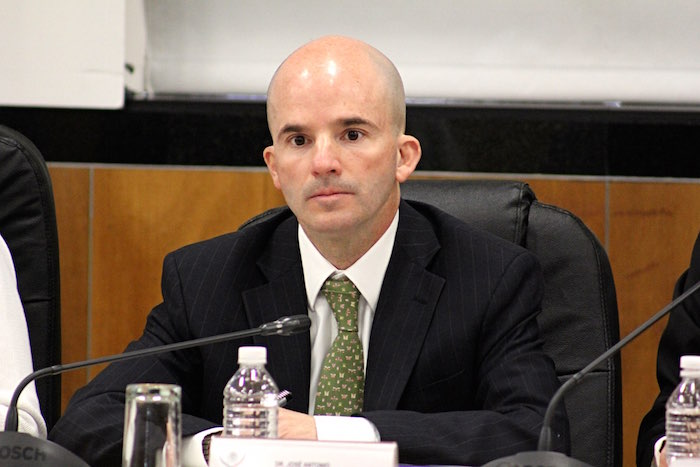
point(579, 311)
point(28, 225)
point(579, 317)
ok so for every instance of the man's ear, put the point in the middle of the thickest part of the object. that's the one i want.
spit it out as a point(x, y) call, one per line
point(269, 156)
point(407, 157)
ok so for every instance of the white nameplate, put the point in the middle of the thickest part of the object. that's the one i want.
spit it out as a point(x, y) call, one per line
point(261, 452)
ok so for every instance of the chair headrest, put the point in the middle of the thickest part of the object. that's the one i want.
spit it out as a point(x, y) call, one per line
point(498, 206)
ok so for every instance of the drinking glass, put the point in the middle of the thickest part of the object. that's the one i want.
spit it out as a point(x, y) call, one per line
point(152, 425)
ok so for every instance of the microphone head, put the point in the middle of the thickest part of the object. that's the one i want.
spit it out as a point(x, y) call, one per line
point(286, 326)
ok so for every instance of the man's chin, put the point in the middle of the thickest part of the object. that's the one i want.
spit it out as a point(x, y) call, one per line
point(329, 224)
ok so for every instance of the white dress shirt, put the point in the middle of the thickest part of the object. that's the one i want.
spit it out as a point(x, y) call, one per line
point(367, 273)
point(16, 351)
point(368, 276)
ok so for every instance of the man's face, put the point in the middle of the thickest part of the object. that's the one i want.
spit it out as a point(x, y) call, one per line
point(335, 150)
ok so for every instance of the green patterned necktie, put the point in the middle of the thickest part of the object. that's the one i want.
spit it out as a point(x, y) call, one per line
point(341, 386)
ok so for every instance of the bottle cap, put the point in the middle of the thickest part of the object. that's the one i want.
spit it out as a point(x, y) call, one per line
point(690, 362)
point(254, 355)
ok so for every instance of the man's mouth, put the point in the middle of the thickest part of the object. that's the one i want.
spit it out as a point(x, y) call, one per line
point(328, 192)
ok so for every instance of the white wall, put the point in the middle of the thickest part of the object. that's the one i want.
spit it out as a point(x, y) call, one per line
point(71, 53)
point(635, 51)
point(64, 53)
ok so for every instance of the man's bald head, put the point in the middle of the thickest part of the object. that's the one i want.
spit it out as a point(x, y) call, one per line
point(329, 55)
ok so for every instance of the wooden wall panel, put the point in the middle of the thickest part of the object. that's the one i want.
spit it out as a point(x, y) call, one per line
point(142, 214)
point(652, 229)
point(71, 188)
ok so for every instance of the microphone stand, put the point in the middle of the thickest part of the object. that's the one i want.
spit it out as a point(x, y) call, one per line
point(26, 450)
point(544, 456)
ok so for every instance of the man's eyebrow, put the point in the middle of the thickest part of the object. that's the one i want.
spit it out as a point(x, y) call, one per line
point(291, 128)
point(356, 121)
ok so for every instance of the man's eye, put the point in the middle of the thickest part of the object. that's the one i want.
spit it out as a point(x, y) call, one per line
point(299, 140)
point(353, 135)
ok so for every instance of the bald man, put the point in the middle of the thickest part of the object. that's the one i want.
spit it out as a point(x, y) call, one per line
point(452, 367)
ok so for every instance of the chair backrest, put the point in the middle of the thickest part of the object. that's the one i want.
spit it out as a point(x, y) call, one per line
point(579, 318)
point(28, 225)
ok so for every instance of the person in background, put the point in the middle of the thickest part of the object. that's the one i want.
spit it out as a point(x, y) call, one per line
point(16, 352)
point(447, 359)
point(680, 337)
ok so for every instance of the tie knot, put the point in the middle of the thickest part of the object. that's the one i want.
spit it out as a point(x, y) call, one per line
point(341, 285)
point(343, 298)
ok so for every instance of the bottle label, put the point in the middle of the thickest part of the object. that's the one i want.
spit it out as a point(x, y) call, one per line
point(685, 462)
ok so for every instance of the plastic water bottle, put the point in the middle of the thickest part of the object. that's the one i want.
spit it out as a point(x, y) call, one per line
point(250, 398)
point(683, 416)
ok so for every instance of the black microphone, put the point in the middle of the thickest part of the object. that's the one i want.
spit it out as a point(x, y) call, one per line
point(22, 449)
point(286, 326)
point(544, 456)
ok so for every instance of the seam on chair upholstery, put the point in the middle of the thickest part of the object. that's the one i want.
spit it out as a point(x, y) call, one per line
point(518, 214)
point(520, 218)
point(48, 218)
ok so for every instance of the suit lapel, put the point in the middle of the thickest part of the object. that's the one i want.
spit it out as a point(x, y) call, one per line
point(404, 311)
point(289, 357)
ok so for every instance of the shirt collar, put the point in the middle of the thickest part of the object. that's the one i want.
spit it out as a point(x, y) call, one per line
point(367, 273)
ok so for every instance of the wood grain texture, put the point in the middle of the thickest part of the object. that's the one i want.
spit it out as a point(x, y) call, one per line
point(71, 188)
point(142, 214)
point(652, 229)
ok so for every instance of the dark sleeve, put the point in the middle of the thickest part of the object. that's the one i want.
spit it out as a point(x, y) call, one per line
point(680, 337)
point(513, 383)
point(92, 425)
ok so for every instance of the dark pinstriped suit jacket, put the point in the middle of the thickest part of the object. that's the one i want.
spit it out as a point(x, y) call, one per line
point(455, 370)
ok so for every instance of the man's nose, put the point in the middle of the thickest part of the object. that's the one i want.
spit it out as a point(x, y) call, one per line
point(326, 156)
